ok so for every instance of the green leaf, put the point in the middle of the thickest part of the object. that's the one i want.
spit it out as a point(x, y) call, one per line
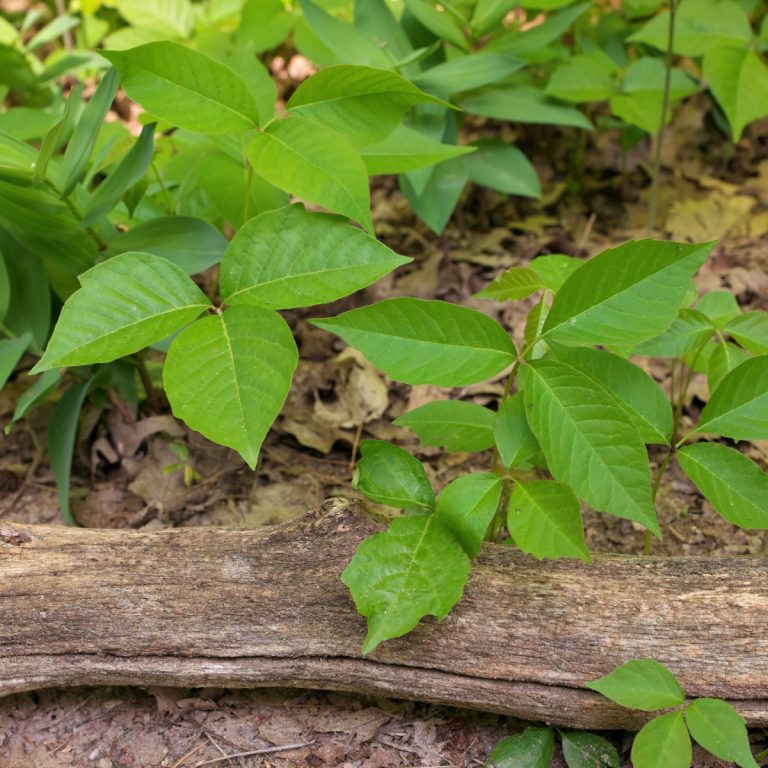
point(533, 748)
point(689, 331)
point(311, 161)
point(191, 244)
point(513, 284)
point(227, 376)
point(11, 351)
point(488, 13)
point(523, 104)
point(406, 150)
point(58, 133)
point(426, 342)
point(544, 519)
point(468, 72)
point(37, 393)
point(514, 439)
point(738, 408)
point(5, 290)
point(86, 131)
point(582, 749)
point(292, 258)
point(643, 399)
point(185, 87)
point(53, 30)
point(734, 484)
point(555, 268)
point(415, 568)
point(739, 80)
point(466, 507)
point(587, 77)
point(534, 326)
point(364, 104)
point(589, 441)
point(439, 22)
point(243, 61)
point(720, 307)
point(751, 331)
point(389, 475)
point(640, 684)
point(626, 294)
point(125, 304)
point(451, 424)
point(171, 18)
point(722, 361)
point(663, 743)
point(721, 730)
point(264, 24)
point(375, 19)
point(128, 172)
point(503, 167)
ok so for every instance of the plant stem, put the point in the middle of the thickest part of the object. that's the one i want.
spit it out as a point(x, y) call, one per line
point(663, 122)
point(656, 485)
point(79, 216)
point(146, 381)
point(169, 206)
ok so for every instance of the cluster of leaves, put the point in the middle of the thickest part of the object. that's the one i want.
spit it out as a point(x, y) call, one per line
point(573, 425)
point(663, 742)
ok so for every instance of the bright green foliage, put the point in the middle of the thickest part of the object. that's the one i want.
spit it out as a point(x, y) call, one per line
point(640, 684)
point(751, 331)
point(426, 342)
point(186, 88)
point(738, 408)
point(441, 24)
point(292, 258)
point(514, 440)
point(625, 295)
point(720, 729)
point(11, 351)
point(468, 73)
point(582, 749)
point(415, 568)
point(466, 507)
point(124, 305)
point(663, 743)
point(451, 424)
point(555, 269)
point(35, 394)
point(389, 475)
point(688, 332)
point(736, 486)
point(513, 284)
point(720, 307)
point(587, 77)
point(724, 358)
point(533, 748)
point(311, 161)
point(227, 376)
point(544, 519)
point(503, 167)
point(590, 441)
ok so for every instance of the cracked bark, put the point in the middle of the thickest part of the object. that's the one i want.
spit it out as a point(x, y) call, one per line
point(213, 607)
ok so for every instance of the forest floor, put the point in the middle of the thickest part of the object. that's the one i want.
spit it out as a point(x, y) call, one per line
point(709, 191)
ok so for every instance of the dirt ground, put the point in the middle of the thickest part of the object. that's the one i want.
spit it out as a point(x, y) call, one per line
point(709, 192)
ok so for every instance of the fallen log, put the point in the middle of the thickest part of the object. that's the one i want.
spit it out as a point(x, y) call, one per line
point(266, 607)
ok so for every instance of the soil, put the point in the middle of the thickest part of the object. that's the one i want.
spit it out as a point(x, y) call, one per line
point(127, 475)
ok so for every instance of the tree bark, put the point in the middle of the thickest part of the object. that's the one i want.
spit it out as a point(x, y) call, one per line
point(266, 607)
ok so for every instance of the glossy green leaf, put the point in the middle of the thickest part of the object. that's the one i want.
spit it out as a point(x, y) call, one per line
point(589, 441)
point(626, 294)
point(468, 72)
point(185, 87)
point(58, 133)
point(311, 161)
point(514, 439)
point(389, 475)
point(663, 743)
point(375, 19)
point(125, 304)
point(555, 268)
point(582, 749)
point(534, 327)
point(642, 397)
point(35, 394)
point(533, 748)
point(689, 331)
point(488, 13)
point(364, 104)
point(127, 173)
point(720, 307)
point(738, 408)
point(451, 424)
point(640, 684)
point(751, 331)
point(227, 376)
point(171, 18)
point(724, 358)
point(11, 351)
point(440, 22)
point(511, 285)
point(426, 342)
point(466, 507)
point(5, 290)
point(293, 258)
point(86, 131)
point(523, 104)
point(503, 167)
point(189, 243)
point(734, 484)
point(53, 30)
point(264, 24)
point(406, 150)
point(415, 568)
point(585, 77)
point(243, 61)
point(721, 730)
point(544, 519)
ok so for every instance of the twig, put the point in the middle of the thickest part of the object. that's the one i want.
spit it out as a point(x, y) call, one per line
point(191, 752)
point(251, 753)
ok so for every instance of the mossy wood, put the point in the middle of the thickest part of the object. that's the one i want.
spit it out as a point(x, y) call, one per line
point(266, 607)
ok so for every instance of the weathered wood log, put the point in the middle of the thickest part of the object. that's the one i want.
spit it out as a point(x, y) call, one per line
point(202, 607)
